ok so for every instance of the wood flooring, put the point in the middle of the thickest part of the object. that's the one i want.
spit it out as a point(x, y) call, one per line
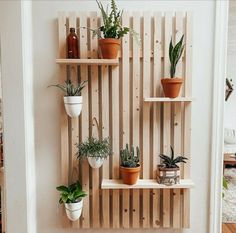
point(228, 228)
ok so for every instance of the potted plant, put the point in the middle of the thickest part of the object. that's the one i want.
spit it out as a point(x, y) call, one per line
point(129, 165)
point(95, 150)
point(73, 99)
point(171, 86)
point(72, 196)
point(168, 172)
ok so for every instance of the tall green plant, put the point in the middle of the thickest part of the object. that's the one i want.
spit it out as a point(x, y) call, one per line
point(70, 89)
point(175, 53)
point(128, 158)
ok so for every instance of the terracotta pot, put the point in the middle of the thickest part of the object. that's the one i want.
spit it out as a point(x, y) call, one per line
point(109, 47)
point(168, 176)
point(171, 86)
point(130, 175)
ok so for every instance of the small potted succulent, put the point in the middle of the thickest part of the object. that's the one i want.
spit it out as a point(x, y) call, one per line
point(129, 165)
point(171, 86)
point(95, 150)
point(168, 172)
point(72, 99)
point(72, 197)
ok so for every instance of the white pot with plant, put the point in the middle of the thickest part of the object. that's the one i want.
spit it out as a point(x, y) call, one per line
point(95, 150)
point(73, 100)
point(168, 171)
point(111, 31)
point(72, 197)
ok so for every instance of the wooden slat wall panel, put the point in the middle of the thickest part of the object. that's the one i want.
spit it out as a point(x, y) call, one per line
point(136, 114)
point(84, 119)
point(125, 96)
point(114, 97)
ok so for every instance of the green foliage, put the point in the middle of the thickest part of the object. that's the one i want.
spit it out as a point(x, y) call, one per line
point(225, 186)
point(71, 194)
point(70, 89)
point(175, 53)
point(128, 158)
point(111, 22)
point(93, 147)
point(171, 161)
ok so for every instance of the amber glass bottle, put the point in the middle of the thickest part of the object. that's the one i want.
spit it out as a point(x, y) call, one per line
point(72, 44)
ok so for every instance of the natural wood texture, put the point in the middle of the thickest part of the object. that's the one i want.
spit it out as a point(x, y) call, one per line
point(123, 100)
point(145, 184)
point(165, 99)
point(228, 228)
point(92, 61)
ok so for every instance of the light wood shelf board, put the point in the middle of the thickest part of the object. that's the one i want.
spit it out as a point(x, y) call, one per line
point(112, 62)
point(145, 184)
point(164, 99)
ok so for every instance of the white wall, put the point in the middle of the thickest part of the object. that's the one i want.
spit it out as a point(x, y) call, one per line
point(230, 110)
point(47, 105)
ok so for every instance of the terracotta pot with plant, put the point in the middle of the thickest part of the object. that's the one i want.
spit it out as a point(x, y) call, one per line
point(95, 150)
point(72, 197)
point(73, 99)
point(168, 172)
point(171, 86)
point(130, 167)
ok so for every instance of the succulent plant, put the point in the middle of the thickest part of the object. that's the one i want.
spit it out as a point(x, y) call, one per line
point(128, 158)
point(175, 53)
point(70, 89)
point(71, 194)
point(171, 161)
point(93, 147)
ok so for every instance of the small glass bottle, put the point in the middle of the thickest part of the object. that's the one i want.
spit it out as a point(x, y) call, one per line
point(72, 44)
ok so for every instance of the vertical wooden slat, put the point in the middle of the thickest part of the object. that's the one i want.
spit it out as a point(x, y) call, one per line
point(187, 117)
point(125, 112)
point(167, 117)
point(105, 134)
point(146, 115)
point(115, 145)
point(157, 75)
point(95, 115)
point(177, 125)
point(64, 117)
point(136, 113)
point(74, 130)
point(84, 118)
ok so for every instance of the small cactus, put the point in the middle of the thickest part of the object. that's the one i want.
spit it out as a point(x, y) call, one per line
point(129, 158)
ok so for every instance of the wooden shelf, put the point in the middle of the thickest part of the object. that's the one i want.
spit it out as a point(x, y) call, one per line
point(112, 62)
point(145, 184)
point(164, 99)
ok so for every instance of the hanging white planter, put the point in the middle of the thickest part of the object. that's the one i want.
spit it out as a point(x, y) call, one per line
point(73, 105)
point(95, 162)
point(74, 210)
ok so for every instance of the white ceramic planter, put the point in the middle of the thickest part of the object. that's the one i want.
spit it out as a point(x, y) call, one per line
point(74, 210)
point(95, 162)
point(73, 105)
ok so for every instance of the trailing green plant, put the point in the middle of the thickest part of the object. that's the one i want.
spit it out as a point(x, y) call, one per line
point(225, 186)
point(175, 53)
point(70, 89)
point(172, 161)
point(112, 26)
point(93, 147)
point(71, 194)
point(128, 158)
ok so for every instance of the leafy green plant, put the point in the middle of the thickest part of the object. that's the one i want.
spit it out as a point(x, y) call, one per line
point(93, 147)
point(128, 158)
point(171, 161)
point(175, 53)
point(71, 194)
point(225, 186)
point(70, 89)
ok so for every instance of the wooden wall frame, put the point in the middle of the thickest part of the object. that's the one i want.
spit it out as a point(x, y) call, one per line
point(122, 96)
